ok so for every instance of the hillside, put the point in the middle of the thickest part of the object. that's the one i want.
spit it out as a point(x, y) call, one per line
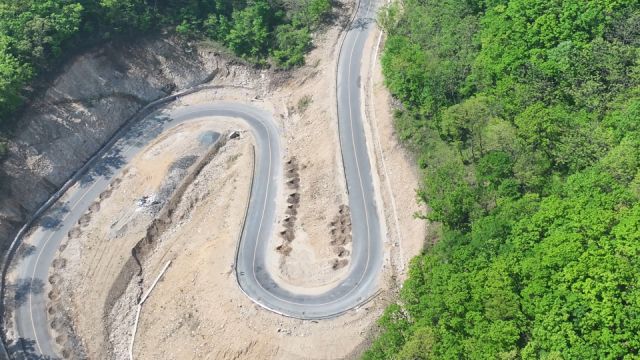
point(36, 35)
point(52, 119)
point(525, 118)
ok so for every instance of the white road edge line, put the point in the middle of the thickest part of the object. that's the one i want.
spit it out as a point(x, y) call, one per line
point(383, 161)
point(35, 265)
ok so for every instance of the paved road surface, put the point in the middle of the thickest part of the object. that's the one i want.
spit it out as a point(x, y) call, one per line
point(361, 282)
point(367, 253)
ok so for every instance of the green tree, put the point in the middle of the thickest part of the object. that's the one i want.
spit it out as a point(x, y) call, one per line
point(13, 77)
point(419, 346)
point(493, 168)
point(37, 29)
point(291, 45)
point(463, 125)
point(125, 16)
point(449, 195)
point(524, 117)
point(249, 34)
point(309, 13)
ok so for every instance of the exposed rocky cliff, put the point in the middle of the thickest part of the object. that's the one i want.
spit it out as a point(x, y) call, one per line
point(84, 106)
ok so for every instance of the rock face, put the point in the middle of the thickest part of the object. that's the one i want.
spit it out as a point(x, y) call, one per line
point(84, 106)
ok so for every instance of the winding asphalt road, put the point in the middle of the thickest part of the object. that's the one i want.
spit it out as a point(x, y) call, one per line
point(31, 319)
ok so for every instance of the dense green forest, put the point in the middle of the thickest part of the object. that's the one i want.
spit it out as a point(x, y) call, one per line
point(525, 115)
point(35, 34)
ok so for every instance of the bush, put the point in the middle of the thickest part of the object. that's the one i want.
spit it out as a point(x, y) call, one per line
point(291, 45)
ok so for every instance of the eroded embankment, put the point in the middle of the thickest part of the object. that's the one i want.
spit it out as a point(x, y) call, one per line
point(93, 97)
point(133, 267)
point(131, 277)
point(164, 219)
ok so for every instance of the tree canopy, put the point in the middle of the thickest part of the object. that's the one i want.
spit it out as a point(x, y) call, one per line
point(525, 118)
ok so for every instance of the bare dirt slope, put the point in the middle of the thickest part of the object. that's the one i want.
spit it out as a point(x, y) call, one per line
point(94, 95)
point(92, 259)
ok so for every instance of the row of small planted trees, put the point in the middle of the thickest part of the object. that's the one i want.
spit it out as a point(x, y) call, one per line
point(525, 116)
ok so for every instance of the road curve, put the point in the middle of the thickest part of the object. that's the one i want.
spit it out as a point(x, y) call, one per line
point(30, 313)
point(367, 252)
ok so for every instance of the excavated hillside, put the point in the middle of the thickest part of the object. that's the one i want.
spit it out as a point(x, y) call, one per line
point(93, 97)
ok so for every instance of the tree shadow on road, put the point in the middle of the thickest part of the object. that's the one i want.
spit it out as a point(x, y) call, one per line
point(53, 218)
point(361, 23)
point(17, 293)
point(25, 349)
point(23, 287)
point(143, 132)
point(24, 251)
point(139, 135)
point(105, 167)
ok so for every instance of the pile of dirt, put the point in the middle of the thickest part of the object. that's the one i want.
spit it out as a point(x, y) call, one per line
point(288, 234)
point(340, 230)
